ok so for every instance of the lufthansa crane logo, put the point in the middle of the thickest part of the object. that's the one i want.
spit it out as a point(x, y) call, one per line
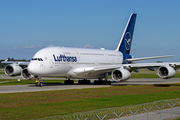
point(128, 40)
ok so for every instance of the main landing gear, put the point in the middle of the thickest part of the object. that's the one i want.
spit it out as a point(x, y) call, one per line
point(39, 82)
point(69, 82)
point(102, 82)
point(88, 82)
point(84, 81)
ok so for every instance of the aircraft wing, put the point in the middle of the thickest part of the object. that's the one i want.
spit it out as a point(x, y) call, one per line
point(20, 63)
point(109, 68)
point(136, 65)
point(147, 58)
point(146, 65)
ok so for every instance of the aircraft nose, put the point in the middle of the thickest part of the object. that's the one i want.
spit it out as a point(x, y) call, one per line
point(32, 68)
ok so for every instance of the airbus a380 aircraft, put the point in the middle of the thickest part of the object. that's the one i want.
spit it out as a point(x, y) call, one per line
point(89, 63)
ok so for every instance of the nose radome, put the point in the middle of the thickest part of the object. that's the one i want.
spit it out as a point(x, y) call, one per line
point(32, 68)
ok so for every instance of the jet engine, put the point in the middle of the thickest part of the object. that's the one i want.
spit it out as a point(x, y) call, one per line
point(120, 74)
point(12, 69)
point(166, 72)
point(26, 75)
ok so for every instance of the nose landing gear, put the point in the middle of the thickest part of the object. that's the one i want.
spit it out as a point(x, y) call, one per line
point(39, 82)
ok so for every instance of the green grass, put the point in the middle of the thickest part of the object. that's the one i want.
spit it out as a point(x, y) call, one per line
point(50, 103)
point(176, 119)
point(4, 82)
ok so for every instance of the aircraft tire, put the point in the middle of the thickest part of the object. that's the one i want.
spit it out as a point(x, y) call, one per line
point(88, 82)
point(69, 82)
point(79, 81)
point(85, 82)
point(97, 82)
point(72, 82)
point(41, 84)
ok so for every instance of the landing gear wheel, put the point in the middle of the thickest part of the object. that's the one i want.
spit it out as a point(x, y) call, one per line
point(85, 82)
point(69, 82)
point(39, 83)
point(102, 82)
point(109, 82)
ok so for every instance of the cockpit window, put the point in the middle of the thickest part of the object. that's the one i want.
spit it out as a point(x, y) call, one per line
point(37, 59)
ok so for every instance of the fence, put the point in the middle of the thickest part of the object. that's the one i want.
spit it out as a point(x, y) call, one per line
point(117, 112)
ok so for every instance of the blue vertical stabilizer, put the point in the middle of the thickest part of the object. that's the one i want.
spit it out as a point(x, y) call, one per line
point(126, 39)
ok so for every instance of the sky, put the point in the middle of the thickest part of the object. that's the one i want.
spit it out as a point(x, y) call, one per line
point(27, 26)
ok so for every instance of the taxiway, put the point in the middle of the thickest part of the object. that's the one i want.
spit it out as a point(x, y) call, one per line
point(60, 86)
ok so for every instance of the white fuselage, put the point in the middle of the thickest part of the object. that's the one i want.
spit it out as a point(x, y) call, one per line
point(60, 61)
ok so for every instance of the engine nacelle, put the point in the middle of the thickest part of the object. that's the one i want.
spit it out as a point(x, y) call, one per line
point(166, 72)
point(120, 74)
point(26, 75)
point(12, 69)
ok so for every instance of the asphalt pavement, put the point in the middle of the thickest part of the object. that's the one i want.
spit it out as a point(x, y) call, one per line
point(60, 86)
